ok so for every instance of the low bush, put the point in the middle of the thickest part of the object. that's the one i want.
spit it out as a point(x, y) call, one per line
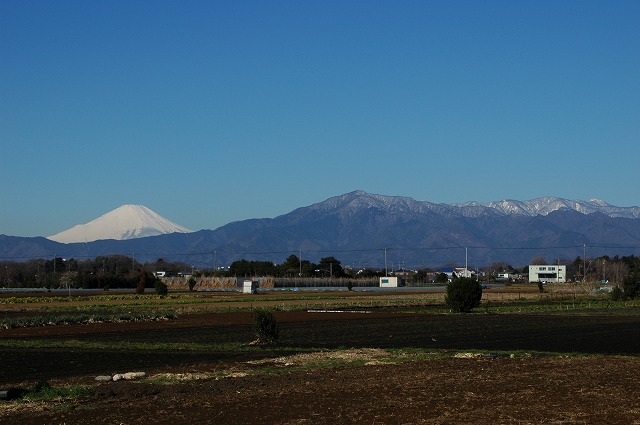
point(617, 294)
point(463, 294)
point(192, 284)
point(266, 326)
point(631, 286)
point(161, 288)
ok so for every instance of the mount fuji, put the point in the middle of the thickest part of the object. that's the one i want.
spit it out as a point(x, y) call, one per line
point(125, 222)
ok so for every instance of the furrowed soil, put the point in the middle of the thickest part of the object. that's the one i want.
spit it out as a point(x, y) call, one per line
point(343, 370)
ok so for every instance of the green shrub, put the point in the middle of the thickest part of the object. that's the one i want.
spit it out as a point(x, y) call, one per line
point(161, 288)
point(463, 294)
point(266, 327)
point(145, 280)
point(631, 285)
point(617, 294)
point(192, 284)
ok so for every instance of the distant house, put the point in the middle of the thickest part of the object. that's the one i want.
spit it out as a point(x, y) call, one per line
point(505, 277)
point(510, 277)
point(455, 273)
point(463, 272)
point(547, 273)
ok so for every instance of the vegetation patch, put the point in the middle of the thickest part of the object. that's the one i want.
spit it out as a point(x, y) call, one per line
point(75, 319)
point(266, 327)
point(43, 391)
point(463, 294)
point(229, 347)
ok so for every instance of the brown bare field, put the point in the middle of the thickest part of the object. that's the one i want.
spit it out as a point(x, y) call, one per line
point(380, 367)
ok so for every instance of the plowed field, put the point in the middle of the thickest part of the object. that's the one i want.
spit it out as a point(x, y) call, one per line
point(340, 373)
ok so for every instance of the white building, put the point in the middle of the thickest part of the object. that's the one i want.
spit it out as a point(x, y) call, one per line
point(249, 287)
point(463, 272)
point(547, 273)
point(455, 273)
point(390, 282)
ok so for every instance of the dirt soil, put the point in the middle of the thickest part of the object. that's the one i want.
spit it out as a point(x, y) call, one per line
point(223, 388)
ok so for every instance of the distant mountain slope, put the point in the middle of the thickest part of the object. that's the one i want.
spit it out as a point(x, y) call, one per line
point(547, 205)
point(539, 206)
point(358, 228)
point(125, 222)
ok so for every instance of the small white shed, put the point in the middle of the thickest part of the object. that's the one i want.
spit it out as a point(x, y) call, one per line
point(389, 282)
point(249, 287)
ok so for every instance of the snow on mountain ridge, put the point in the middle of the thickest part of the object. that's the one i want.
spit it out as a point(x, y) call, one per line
point(348, 203)
point(359, 200)
point(549, 204)
point(125, 222)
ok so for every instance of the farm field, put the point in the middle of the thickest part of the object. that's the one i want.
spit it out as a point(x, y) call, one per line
point(379, 362)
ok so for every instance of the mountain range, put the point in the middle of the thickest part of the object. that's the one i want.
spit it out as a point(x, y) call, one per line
point(363, 230)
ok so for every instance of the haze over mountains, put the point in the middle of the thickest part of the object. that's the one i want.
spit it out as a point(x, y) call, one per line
point(358, 228)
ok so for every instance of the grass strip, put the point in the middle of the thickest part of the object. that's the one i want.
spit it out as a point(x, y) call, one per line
point(235, 347)
point(73, 319)
point(170, 299)
point(43, 391)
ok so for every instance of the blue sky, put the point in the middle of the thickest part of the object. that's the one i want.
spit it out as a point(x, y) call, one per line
point(209, 112)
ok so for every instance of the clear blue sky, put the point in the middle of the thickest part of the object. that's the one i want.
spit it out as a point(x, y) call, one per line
point(209, 112)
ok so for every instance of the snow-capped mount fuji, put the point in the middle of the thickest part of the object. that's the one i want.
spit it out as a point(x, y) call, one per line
point(125, 222)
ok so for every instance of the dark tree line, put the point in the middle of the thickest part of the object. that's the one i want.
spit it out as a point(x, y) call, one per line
point(120, 271)
point(113, 271)
point(293, 266)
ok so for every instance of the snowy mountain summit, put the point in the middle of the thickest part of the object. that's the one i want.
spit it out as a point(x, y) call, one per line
point(125, 222)
point(349, 203)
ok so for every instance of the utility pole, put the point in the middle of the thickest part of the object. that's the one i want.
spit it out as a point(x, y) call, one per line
point(466, 262)
point(386, 273)
point(584, 263)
